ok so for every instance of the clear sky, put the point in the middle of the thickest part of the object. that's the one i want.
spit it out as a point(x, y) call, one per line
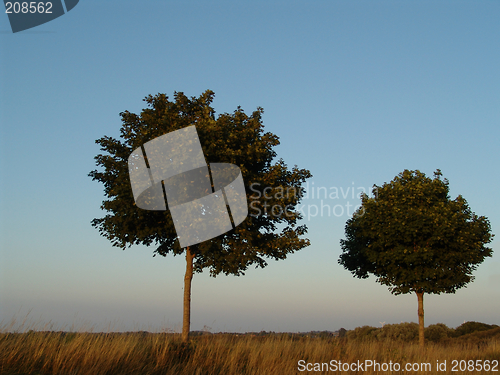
point(356, 90)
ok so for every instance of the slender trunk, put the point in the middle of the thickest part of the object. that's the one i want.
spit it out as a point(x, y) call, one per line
point(187, 295)
point(421, 340)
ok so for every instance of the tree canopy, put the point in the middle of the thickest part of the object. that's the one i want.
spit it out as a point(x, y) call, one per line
point(230, 138)
point(235, 138)
point(414, 238)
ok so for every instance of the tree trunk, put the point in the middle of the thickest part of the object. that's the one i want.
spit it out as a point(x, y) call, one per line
point(421, 339)
point(186, 321)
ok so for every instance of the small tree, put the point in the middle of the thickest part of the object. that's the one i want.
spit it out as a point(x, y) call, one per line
point(415, 239)
point(230, 138)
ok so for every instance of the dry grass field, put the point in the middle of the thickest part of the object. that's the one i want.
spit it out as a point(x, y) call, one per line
point(72, 353)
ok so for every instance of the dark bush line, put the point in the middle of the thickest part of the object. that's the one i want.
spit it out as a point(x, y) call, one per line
point(469, 332)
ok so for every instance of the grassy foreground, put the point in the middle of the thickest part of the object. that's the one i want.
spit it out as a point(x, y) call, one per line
point(163, 353)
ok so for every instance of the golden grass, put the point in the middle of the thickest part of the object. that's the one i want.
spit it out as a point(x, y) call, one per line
point(72, 353)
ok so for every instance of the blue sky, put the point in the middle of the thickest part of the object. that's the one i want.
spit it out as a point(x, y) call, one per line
point(357, 91)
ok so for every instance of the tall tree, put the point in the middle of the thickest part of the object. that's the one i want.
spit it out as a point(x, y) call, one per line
point(415, 239)
point(272, 189)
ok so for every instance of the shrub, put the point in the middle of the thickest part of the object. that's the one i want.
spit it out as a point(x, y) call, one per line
point(438, 332)
point(470, 327)
point(406, 332)
point(342, 332)
point(362, 333)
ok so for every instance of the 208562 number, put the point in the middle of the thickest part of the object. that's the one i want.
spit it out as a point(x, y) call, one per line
point(472, 365)
point(31, 7)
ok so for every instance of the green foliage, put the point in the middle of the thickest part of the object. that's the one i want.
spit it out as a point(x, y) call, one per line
point(342, 332)
point(363, 333)
point(406, 332)
point(470, 327)
point(235, 138)
point(438, 332)
point(414, 238)
point(470, 332)
point(479, 338)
